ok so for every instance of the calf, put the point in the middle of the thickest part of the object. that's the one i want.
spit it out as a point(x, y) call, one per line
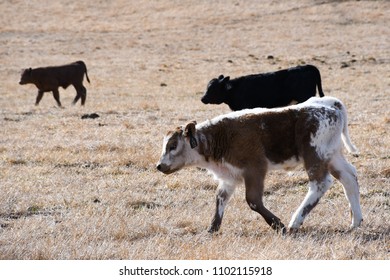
point(268, 90)
point(243, 146)
point(51, 78)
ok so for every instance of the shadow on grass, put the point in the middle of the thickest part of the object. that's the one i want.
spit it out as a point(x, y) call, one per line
point(363, 235)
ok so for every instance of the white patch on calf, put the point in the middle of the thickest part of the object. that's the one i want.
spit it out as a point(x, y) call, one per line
point(232, 115)
point(224, 171)
point(325, 140)
point(167, 156)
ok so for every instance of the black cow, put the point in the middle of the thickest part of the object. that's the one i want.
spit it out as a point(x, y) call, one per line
point(51, 78)
point(269, 90)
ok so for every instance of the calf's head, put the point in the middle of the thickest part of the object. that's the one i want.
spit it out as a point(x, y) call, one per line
point(216, 90)
point(177, 146)
point(26, 77)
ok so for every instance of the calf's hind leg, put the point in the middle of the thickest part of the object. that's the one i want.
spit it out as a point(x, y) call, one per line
point(346, 174)
point(318, 185)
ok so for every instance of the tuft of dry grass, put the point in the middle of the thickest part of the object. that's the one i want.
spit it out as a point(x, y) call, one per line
point(88, 189)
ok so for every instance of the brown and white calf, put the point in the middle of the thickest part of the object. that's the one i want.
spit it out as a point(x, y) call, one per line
point(244, 145)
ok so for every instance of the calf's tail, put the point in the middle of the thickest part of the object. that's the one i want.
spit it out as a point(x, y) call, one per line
point(85, 69)
point(351, 148)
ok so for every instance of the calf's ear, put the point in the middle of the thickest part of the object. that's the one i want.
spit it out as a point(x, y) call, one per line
point(190, 128)
point(189, 132)
point(26, 71)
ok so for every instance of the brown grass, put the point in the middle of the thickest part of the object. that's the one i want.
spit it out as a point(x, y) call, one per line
point(88, 189)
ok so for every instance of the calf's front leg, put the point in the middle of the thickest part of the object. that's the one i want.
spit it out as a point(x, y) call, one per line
point(224, 193)
point(39, 97)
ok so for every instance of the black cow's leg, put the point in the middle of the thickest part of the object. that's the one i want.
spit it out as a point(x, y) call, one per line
point(39, 97)
point(76, 98)
point(254, 187)
point(78, 94)
point(56, 96)
point(83, 95)
point(224, 193)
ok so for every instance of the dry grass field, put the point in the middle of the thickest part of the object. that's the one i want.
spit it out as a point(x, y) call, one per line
point(73, 188)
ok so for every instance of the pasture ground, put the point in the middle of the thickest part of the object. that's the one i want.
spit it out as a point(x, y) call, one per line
point(73, 188)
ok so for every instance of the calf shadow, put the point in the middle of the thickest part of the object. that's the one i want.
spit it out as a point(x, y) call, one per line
point(364, 235)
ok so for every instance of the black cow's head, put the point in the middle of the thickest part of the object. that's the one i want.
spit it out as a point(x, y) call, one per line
point(26, 77)
point(216, 90)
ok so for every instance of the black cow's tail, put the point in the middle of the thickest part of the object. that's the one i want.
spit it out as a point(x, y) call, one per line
point(319, 84)
point(85, 69)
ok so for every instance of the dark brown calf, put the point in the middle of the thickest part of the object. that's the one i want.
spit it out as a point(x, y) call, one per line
point(51, 78)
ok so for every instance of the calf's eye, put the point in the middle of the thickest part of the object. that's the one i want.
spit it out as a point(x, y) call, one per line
point(172, 147)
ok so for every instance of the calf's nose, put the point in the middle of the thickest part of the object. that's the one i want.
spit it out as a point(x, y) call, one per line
point(163, 168)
